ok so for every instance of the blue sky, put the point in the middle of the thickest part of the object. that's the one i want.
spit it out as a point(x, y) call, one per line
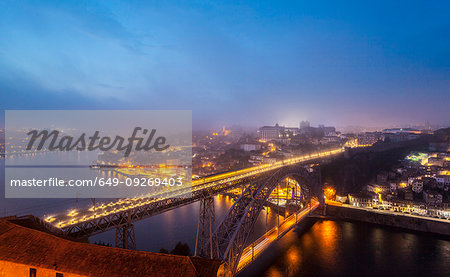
point(248, 62)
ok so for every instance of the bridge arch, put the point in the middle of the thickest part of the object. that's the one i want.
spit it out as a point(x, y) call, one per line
point(232, 233)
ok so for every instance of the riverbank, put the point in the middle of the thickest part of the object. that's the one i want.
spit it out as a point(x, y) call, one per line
point(392, 220)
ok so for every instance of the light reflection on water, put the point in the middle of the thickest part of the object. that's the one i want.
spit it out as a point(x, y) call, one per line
point(337, 248)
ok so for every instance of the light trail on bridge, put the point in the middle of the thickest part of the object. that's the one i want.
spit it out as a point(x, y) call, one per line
point(256, 248)
point(74, 217)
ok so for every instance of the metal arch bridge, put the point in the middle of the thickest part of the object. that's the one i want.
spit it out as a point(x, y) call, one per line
point(228, 240)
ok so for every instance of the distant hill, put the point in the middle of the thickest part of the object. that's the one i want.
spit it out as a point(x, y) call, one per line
point(442, 135)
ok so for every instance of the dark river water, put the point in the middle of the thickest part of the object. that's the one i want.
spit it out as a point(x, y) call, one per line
point(318, 248)
point(338, 248)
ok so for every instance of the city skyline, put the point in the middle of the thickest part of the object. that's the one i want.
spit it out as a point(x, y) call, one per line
point(252, 64)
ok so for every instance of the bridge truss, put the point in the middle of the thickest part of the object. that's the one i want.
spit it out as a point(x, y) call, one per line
point(228, 239)
point(231, 235)
point(154, 207)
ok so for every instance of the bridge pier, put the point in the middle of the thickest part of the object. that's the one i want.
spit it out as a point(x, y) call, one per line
point(205, 243)
point(125, 237)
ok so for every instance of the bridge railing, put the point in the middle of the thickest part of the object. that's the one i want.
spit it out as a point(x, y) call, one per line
point(220, 180)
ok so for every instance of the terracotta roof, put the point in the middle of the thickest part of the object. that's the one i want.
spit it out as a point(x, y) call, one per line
point(34, 248)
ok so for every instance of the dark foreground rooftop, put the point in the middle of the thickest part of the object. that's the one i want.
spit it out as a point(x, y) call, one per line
point(34, 248)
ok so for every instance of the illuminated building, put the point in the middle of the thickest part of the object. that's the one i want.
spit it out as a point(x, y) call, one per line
point(268, 133)
point(365, 199)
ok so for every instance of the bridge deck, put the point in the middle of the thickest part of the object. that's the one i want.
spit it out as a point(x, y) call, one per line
point(252, 251)
point(87, 222)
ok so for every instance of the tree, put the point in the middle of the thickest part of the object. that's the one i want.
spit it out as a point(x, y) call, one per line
point(330, 193)
point(102, 243)
point(181, 249)
point(164, 251)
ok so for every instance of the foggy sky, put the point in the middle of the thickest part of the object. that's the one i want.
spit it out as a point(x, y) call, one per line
point(251, 63)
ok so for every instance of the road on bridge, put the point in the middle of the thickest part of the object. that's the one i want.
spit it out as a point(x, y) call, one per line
point(93, 214)
point(261, 244)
